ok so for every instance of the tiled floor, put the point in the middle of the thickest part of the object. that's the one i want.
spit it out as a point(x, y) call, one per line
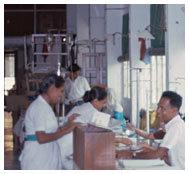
point(11, 161)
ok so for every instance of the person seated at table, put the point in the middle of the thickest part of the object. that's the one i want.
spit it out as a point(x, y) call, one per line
point(95, 100)
point(172, 147)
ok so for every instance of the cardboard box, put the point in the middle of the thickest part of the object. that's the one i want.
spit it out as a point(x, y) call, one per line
point(94, 148)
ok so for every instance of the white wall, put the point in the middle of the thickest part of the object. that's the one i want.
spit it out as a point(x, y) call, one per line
point(89, 26)
point(71, 18)
point(139, 19)
point(114, 14)
point(175, 43)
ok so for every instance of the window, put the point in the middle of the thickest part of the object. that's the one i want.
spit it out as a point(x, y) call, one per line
point(151, 79)
point(158, 77)
point(9, 79)
point(126, 79)
point(26, 19)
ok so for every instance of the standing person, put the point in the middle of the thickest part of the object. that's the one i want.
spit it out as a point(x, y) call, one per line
point(75, 88)
point(41, 150)
point(172, 147)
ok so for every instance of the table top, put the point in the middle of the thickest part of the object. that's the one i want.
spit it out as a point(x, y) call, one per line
point(125, 164)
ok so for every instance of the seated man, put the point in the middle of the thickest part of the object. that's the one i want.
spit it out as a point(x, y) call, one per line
point(172, 147)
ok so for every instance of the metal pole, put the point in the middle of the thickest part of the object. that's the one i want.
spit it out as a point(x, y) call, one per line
point(137, 97)
point(25, 54)
point(147, 113)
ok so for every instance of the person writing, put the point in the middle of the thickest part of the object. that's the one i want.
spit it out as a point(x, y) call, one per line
point(75, 88)
point(41, 150)
point(172, 147)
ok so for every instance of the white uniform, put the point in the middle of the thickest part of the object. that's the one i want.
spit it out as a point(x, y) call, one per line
point(174, 140)
point(35, 156)
point(18, 129)
point(86, 112)
point(74, 90)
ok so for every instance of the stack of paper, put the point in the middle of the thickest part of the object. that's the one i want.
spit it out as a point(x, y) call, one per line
point(100, 119)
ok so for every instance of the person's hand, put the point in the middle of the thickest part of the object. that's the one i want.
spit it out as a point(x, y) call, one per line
point(73, 117)
point(70, 125)
point(145, 146)
point(130, 126)
point(125, 141)
point(126, 154)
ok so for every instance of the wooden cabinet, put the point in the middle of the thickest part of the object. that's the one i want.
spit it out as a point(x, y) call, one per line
point(94, 148)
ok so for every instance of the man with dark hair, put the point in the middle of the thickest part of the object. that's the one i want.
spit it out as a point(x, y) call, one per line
point(172, 147)
point(75, 88)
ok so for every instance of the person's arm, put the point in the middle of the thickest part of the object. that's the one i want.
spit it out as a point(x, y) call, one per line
point(141, 132)
point(153, 154)
point(86, 84)
point(125, 141)
point(145, 146)
point(144, 134)
point(126, 154)
point(159, 134)
point(43, 137)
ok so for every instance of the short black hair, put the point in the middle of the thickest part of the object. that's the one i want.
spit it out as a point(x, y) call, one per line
point(74, 67)
point(51, 79)
point(175, 99)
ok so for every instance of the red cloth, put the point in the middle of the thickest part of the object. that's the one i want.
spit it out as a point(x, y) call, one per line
point(142, 48)
point(45, 49)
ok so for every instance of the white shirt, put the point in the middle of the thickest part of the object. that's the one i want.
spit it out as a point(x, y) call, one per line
point(40, 117)
point(74, 90)
point(174, 140)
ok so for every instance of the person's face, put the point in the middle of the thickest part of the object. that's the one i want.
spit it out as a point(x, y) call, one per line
point(74, 75)
point(55, 94)
point(99, 104)
point(165, 111)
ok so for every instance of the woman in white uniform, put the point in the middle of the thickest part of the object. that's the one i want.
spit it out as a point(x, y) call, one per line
point(41, 151)
point(95, 100)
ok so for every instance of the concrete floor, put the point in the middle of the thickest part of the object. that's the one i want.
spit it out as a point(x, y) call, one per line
point(11, 155)
point(11, 161)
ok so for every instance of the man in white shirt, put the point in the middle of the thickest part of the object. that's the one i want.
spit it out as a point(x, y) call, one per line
point(75, 88)
point(172, 147)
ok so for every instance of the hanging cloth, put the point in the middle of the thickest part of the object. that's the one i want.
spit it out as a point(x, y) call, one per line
point(142, 47)
point(45, 50)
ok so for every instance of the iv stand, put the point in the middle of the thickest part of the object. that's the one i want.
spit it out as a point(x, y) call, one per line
point(138, 70)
